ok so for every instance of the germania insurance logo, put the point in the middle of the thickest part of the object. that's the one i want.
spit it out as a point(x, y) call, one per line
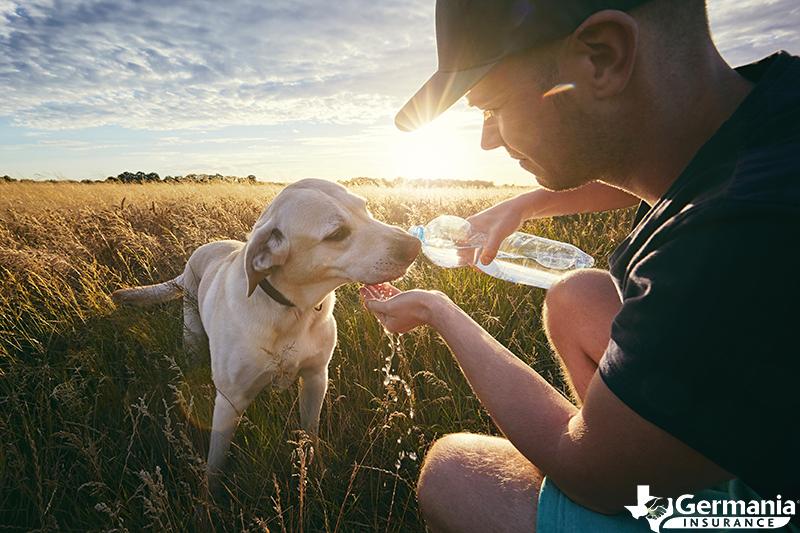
point(686, 513)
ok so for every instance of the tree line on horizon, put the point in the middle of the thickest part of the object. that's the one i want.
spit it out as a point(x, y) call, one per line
point(361, 181)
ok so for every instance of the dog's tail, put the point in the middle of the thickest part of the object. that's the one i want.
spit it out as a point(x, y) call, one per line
point(150, 294)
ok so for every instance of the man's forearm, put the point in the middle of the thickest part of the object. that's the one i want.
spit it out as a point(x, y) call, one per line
point(593, 197)
point(532, 414)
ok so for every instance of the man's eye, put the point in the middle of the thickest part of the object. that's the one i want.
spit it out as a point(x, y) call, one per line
point(338, 235)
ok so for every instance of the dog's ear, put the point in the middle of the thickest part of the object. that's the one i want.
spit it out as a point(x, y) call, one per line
point(267, 248)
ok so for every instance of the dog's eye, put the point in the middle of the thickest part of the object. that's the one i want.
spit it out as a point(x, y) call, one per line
point(338, 235)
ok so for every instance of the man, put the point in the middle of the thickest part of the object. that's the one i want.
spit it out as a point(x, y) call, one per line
point(683, 355)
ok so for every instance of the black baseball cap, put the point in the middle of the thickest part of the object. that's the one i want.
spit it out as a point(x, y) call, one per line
point(473, 36)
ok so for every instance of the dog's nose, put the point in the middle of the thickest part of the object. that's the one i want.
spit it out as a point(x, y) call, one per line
point(410, 248)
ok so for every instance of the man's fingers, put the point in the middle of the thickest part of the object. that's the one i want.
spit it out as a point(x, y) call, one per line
point(488, 254)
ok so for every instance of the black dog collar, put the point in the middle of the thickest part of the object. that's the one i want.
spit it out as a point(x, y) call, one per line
point(273, 293)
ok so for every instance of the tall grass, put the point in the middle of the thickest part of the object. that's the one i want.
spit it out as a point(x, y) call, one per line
point(104, 426)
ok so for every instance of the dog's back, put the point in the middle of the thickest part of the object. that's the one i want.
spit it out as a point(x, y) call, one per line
point(150, 294)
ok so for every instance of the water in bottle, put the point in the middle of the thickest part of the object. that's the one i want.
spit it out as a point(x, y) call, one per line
point(450, 242)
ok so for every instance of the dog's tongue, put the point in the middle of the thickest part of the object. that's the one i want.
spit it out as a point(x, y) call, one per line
point(382, 291)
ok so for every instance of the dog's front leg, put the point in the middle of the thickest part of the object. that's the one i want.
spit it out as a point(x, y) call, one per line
point(313, 385)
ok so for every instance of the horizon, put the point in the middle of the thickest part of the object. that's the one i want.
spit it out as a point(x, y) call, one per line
point(144, 178)
point(282, 91)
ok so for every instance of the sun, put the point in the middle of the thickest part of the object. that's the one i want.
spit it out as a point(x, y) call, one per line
point(442, 149)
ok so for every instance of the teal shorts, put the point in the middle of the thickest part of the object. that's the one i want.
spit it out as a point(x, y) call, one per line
point(559, 514)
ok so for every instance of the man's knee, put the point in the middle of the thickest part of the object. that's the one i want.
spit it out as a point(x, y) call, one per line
point(440, 465)
point(581, 298)
point(571, 294)
point(449, 478)
point(468, 482)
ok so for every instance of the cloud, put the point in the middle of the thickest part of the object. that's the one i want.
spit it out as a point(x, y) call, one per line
point(747, 30)
point(187, 64)
point(206, 64)
point(67, 145)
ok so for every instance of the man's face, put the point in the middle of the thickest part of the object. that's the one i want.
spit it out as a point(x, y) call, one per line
point(542, 133)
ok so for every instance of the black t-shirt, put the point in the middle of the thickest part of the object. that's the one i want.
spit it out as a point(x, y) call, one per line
point(706, 345)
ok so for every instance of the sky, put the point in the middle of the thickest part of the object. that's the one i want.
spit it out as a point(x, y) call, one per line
point(279, 89)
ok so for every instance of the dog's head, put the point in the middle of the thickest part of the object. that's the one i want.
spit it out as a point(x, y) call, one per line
point(316, 236)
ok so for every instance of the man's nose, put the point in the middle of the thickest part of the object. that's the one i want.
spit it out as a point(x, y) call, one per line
point(490, 136)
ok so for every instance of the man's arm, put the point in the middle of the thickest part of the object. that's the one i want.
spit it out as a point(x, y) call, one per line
point(596, 455)
point(503, 219)
point(594, 197)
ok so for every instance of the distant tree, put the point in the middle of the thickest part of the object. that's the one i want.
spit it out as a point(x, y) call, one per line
point(363, 181)
point(139, 177)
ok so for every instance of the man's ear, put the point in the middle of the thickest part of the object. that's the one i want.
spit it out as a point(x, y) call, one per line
point(605, 47)
point(267, 249)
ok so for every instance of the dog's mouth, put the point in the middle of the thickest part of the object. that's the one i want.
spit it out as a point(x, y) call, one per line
point(384, 279)
point(395, 266)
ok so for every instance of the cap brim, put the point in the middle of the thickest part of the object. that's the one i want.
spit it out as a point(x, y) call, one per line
point(440, 92)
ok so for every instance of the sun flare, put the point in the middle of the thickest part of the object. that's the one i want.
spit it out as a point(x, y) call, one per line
point(438, 150)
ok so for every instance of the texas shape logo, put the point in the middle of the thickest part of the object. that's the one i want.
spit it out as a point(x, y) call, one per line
point(655, 509)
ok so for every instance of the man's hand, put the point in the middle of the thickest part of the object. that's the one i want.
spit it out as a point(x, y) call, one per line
point(505, 218)
point(399, 311)
point(497, 223)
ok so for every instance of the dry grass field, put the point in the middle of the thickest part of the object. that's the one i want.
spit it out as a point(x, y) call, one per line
point(103, 427)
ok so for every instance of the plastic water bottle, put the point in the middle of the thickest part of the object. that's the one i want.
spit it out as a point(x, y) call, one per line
point(450, 242)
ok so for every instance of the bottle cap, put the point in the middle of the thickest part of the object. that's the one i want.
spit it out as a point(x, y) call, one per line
point(418, 232)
